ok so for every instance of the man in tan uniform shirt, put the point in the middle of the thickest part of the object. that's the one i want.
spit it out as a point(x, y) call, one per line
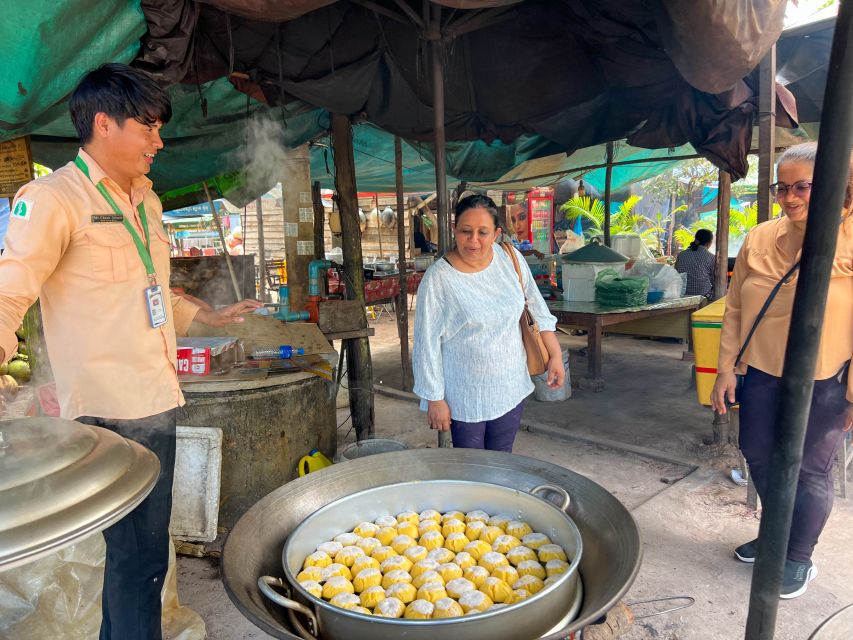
point(88, 240)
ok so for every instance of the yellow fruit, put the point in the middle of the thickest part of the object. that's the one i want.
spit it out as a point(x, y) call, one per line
point(20, 370)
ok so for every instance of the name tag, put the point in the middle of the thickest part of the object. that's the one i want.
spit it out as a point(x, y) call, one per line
point(156, 306)
point(102, 218)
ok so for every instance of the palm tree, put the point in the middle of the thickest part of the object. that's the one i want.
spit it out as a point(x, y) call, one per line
point(740, 222)
point(624, 221)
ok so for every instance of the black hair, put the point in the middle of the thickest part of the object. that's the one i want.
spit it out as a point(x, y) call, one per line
point(121, 92)
point(477, 201)
point(703, 237)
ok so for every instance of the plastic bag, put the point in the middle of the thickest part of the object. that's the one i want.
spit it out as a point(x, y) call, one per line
point(662, 277)
point(613, 290)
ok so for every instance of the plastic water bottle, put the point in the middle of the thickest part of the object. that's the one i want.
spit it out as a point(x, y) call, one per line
point(282, 352)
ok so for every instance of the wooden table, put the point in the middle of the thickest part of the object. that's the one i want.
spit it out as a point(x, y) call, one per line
point(671, 319)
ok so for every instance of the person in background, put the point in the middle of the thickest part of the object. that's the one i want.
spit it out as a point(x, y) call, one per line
point(88, 240)
point(699, 265)
point(469, 361)
point(768, 253)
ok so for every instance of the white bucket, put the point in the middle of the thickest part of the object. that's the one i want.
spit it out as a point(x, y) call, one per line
point(369, 447)
point(544, 393)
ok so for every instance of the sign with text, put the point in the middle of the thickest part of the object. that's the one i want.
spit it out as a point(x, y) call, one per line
point(16, 166)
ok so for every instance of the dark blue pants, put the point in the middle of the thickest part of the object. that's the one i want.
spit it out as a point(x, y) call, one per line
point(138, 544)
point(758, 431)
point(497, 434)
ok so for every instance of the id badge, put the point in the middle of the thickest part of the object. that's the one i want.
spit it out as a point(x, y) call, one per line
point(156, 306)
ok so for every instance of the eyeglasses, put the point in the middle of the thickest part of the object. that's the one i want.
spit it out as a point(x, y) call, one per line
point(799, 189)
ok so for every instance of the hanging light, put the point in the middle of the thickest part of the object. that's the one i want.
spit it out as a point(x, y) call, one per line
point(581, 189)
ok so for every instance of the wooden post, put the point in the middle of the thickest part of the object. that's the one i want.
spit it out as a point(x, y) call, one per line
point(608, 177)
point(766, 132)
point(359, 365)
point(262, 260)
point(319, 221)
point(224, 247)
point(671, 224)
point(378, 225)
point(724, 195)
point(298, 223)
point(402, 306)
point(437, 50)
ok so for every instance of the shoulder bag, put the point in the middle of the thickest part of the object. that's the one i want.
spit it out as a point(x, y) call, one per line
point(534, 347)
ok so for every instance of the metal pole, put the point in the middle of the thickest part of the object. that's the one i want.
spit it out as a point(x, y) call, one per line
point(830, 178)
point(766, 132)
point(437, 50)
point(724, 196)
point(222, 240)
point(403, 299)
point(259, 213)
point(608, 177)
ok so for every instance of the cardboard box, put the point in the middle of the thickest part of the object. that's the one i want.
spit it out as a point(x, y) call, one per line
point(206, 356)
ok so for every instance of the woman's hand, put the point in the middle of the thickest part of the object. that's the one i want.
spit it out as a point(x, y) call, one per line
point(724, 389)
point(438, 415)
point(848, 417)
point(556, 372)
point(231, 314)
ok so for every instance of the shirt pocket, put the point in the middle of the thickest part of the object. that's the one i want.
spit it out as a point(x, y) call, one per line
point(110, 251)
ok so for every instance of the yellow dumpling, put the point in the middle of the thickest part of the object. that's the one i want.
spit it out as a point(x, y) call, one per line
point(367, 578)
point(426, 526)
point(427, 577)
point(362, 563)
point(550, 580)
point(317, 559)
point(477, 516)
point(337, 569)
point(336, 585)
point(431, 540)
point(386, 534)
point(419, 610)
point(498, 605)
point(345, 600)
point(372, 596)
point(368, 545)
point(464, 560)
point(407, 529)
point(507, 573)
point(520, 554)
point(386, 521)
point(496, 589)
point(503, 544)
point(447, 608)
point(451, 515)
point(422, 566)
point(477, 575)
point(383, 553)
point(449, 571)
point(366, 529)
point(490, 533)
point(531, 584)
point(348, 555)
point(456, 542)
point(475, 600)
point(395, 563)
point(551, 552)
point(347, 539)
point(500, 521)
point(535, 540)
point(394, 577)
point(531, 568)
point(313, 587)
point(452, 526)
point(390, 608)
point(401, 543)
point(518, 528)
point(520, 594)
point(432, 591)
point(363, 610)
point(405, 592)
point(492, 560)
point(429, 514)
point(330, 548)
point(408, 516)
point(556, 567)
point(478, 548)
point(416, 553)
point(474, 529)
point(455, 588)
point(441, 556)
point(313, 574)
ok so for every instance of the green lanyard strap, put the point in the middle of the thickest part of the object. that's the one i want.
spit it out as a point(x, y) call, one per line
point(141, 248)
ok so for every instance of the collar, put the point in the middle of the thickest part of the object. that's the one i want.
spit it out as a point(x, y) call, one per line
point(138, 187)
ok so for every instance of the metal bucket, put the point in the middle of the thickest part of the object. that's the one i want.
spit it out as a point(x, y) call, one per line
point(612, 549)
point(369, 448)
point(534, 616)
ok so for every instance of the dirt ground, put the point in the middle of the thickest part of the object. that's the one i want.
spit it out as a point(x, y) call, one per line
point(642, 440)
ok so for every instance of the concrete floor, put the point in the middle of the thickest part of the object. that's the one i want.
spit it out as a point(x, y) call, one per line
point(642, 440)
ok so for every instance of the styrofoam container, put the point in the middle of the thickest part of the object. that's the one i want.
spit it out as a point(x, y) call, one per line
point(579, 279)
point(198, 476)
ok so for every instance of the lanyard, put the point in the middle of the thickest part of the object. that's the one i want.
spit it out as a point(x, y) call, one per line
point(141, 248)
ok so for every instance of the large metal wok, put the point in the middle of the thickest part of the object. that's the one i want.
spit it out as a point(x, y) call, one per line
point(536, 615)
point(611, 541)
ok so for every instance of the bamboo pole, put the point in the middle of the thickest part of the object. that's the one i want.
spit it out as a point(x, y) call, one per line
point(608, 179)
point(437, 49)
point(222, 240)
point(402, 306)
point(259, 212)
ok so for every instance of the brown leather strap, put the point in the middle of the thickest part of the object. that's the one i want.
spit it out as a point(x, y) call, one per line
point(511, 253)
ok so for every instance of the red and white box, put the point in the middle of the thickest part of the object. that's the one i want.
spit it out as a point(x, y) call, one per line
point(206, 356)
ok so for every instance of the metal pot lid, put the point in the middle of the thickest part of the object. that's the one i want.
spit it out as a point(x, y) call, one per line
point(61, 481)
point(595, 252)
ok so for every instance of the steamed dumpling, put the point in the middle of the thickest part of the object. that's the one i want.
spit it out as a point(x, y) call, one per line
point(451, 515)
point(395, 563)
point(393, 577)
point(449, 571)
point(311, 574)
point(474, 529)
point(362, 563)
point(456, 542)
point(401, 543)
point(518, 528)
point(478, 548)
point(550, 580)
point(317, 559)
point(490, 533)
point(422, 566)
point(432, 592)
point(430, 514)
point(474, 600)
point(505, 543)
point(407, 529)
point(447, 608)
point(368, 545)
point(419, 610)
point(403, 591)
point(507, 573)
point(348, 555)
point(416, 553)
point(477, 516)
point(390, 608)
point(442, 556)
point(477, 575)
point(331, 548)
point(431, 540)
point(455, 588)
point(531, 584)
point(383, 553)
point(492, 560)
point(520, 594)
point(501, 521)
point(408, 516)
point(386, 534)
point(496, 589)
point(556, 567)
point(535, 540)
point(345, 600)
point(363, 610)
point(372, 596)
point(551, 552)
point(337, 569)
point(347, 539)
point(425, 526)
point(452, 526)
point(520, 554)
point(531, 568)
point(336, 585)
point(428, 577)
point(386, 521)
point(313, 587)
point(464, 560)
point(367, 578)
point(366, 529)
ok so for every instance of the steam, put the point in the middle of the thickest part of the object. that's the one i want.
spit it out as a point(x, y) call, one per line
point(264, 154)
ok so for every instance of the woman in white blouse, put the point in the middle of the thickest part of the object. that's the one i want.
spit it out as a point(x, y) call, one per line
point(469, 362)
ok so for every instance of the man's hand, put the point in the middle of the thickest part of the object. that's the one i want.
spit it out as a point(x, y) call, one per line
point(438, 415)
point(848, 417)
point(231, 314)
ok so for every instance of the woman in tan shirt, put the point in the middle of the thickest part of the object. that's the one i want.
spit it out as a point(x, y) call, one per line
point(769, 252)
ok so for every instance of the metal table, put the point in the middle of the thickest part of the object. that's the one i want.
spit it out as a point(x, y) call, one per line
point(594, 318)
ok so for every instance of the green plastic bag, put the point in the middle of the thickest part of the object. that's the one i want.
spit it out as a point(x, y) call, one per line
point(613, 290)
